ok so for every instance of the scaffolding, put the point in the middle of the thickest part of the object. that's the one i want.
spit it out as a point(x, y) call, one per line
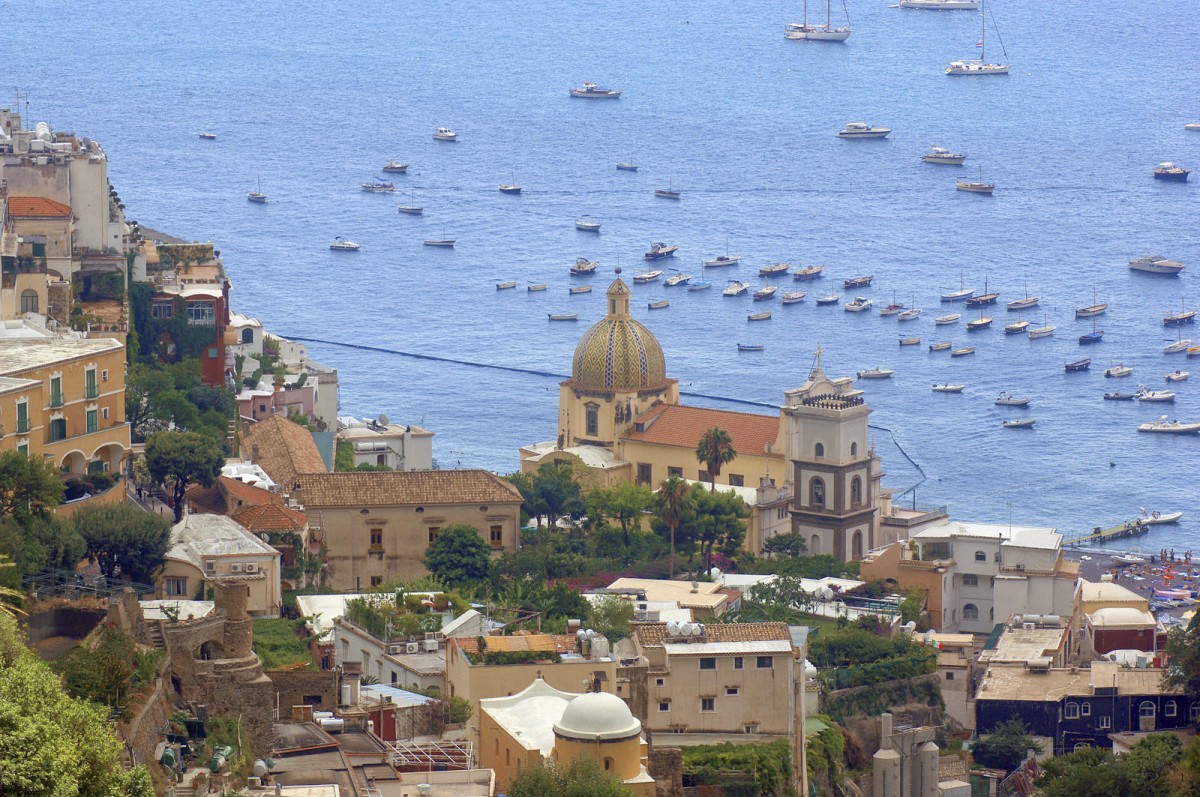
point(428, 756)
point(74, 585)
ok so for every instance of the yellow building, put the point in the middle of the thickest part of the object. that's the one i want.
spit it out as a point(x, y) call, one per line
point(541, 724)
point(209, 547)
point(621, 420)
point(63, 398)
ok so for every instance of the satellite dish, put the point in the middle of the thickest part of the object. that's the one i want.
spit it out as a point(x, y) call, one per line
point(383, 419)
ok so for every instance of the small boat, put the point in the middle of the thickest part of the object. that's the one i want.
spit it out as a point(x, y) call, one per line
point(1177, 376)
point(444, 242)
point(661, 304)
point(963, 352)
point(666, 193)
point(1163, 426)
point(1016, 327)
point(764, 293)
point(536, 288)
point(445, 134)
point(1126, 559)
point(395, 167)
point(509, 188)
point(1120, 396)
point(948, 388)
point(792, 297)
point(586, 224)
point(627, 167)
point(1095, 336)
point(1044, 331)
point(575, 290)
point(1180, 345)
point(722, 260)
point(412, 209)
point(1154, 264)
point(940, 346)
point(895, 308)
point(1146, 394)
point(1078, 365)
point(858, 282)
point(943, 156)
point(660, 250)
point(504, 286)
point(209, 136)
point(960, 294)
point(1192, 126)
point(583, 267)
point(816, 31)
point(1019, 423)
point(1007, 400)
point(983, 322)
point(759, 316)
point(590, 91)
point(910, 341)
point(378, 187)
point(911, 314)
point(807, 273)
point(978, 66)
point(863, 130)
point(943, 320)
point(859, 305)
point(1170, 172)
point(340, 244)
point(774, 269)
point(678, 278)
point(1180, 318)
point(750, 347)
point(984, 298)
point(941, 5)
point(649, 276)
point(257, 196)
point(1024, 304)
point(735, 288)
point(1193, 351)
point(1117, 371)
point(876, 373)
point(1155, 518)
point(699, 285)
point(563, 316)
point(976, 187)
point(1092, 310)
point(832, 298)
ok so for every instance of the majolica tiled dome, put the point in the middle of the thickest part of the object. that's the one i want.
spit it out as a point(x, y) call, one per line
point(618, 353)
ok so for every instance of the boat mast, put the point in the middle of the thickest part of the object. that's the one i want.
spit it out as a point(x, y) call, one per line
point(829, 14)
point(806, 14)
point(982, 42)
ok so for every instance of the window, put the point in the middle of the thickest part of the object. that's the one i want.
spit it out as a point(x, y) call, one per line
point(608, 764)
point(856, 496)
point(1071, 711)
point(1146, 710)
point(104, 413)
point(819, 450)
point(1169, 709)
point(104, 375)
point(970, 612)
point(708, 664)
point(496, 536)
point(781, 512)
point(980, 556)
point(376, 581)
point(970, 580)
point(162, 308)
point(176, 587)
point(703, 476)
point(247, 335)
point(23, 449)
point(750, 727)
point(1085, 709)
point(1194, 713)
point(56, 396)
point(643, 473)
point(593, 420)
point(737, 480)
point(674, 472)
point(949, 676)
point(376, 538)
point(737, 662)
point(394, 682)
point(210, 566)
point(433, 532)
point(731, 691)
point(90, 388)
point(664, 705)
point(708, 704)
point(22, 417)
point(660, 681)
point(1103, 723)
point(765, 663)
point(201, 314)
point(93, 421)
point(58, 430)
point(854, 449)
point(29, 301)
point(816, 493)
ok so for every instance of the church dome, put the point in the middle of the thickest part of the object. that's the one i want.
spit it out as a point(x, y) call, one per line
point(618, 353)
point(597, 716)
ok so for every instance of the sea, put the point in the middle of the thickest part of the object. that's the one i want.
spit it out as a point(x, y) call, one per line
point(309, 99)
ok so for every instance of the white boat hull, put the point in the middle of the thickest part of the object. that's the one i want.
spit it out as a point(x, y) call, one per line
point(817, 33)
point(945, 160)
point(1156, 268)
point(975, 69)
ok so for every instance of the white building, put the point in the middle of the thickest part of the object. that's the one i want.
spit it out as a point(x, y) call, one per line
point(395, 445)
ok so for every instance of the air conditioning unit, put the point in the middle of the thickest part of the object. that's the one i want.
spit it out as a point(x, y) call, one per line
point(1028, 626)
point(249, 567)
point(235, 568)
point(431, 646)
point(412, 647)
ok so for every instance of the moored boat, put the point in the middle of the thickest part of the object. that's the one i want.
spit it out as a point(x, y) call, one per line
point(1077, 365)
point(943, 320)
point(774, 270)
point(859, 305)
point(1007, 400)
point(660, 250)
point(699, 285)
point(507, 285)
point(1117, 371)
point(661, 304)
point(1177, 376)
point(1180, 345)
point(983, 322)
point(941, 5)
point(948, 388)
point(340, 244)
point(944, 156)
point(807, 273)
point(648, 276)
point(586, 224)
point(445, 134)
point(1146, 394)
point(910, 341)
point(209, 136)
point(825, 301)
point(667, 193)
point(1163, 426)
point(764, 316)
point(395, 167)
point(1016, 327)
point(590, 91)
point(575, 290)
point(583, 266)
point(963, 352)
point(858, 282)
point(536, 288)
point(1019, 423)
point(863, 130)
point(678, 278)
point(1117, 396)
point(985, 298)
point(792, 297)
point(563, 316)
point(764, 293)
point(627, 167)
point(378, 187)
point(911, 314)
point(750, 347)
point(942, 346)
point(1155, 264)
point(722, 260)
point(735, 288)
point(1170, 172)
point(876, 373)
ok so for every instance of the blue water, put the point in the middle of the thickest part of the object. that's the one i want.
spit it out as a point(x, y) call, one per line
point(312, 99)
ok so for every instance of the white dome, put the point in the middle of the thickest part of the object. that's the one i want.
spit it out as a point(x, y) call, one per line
point(597, 715)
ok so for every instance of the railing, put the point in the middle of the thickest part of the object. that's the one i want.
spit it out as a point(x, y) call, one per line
point(91, 391)
point(56, 399)
point(22, 425)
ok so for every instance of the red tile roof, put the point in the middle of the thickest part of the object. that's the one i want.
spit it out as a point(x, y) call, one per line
point(683, 426)
point(271, 517)
point(405, 488)
point(652, 634)
point(227, 492)
point(37, 207)
point(283, 449)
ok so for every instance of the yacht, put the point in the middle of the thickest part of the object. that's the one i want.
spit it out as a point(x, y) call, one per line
point(816, 31)
point(649, 276)
point(735, 288)
point(1154, 264)
point(584, 266)
point(590, 91)
point(445, 134)
point(1163, 426)
point(340, 244)
point(944, 156)
point(395, 167)
point(863, 130)
point(586, 224)
point(660, 250)
point(876, 373)
point(257, 196)
point(1171, 173)
point(941, 5)
point(859, 305)
point(978, 67)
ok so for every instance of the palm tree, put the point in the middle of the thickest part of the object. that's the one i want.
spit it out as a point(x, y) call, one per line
point(10, 598)
point(714, 451)
point(673, 499)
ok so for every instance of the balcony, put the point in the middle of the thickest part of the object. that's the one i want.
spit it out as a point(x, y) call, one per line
point(22, 426)
point(56, 399)
point(91, 391)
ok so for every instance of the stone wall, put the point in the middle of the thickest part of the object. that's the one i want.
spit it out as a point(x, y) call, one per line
point(292, 689)
point(665, 765)
point(61, 621)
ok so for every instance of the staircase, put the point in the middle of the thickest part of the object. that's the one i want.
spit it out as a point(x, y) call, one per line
point(156, 635)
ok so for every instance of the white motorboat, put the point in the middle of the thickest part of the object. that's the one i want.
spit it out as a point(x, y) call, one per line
point(1126, 559)
point(941, 5)
point(943, 320)
point(722, 260)
point(678, 278)
point(863, 130)
point(1183, 344)
point(586, 224)
point(1192, 126)
point(209, 136)
point(944, 156)
point(876, 373)
point(395, 167)
point(792, 297)
point(445, 134)
point(584, 266)
point(859, 305)
point(378, 187)
point(1177, 376)
point(590, 91)
point(1155, 518)
point(699, 285)
point(649, 276)
point(1155, 264)
point(1019, 423)
point(563, 316)
point(817, 32)
point(774, 269)
point(340, 244)
point(1007, 400)
point(948, 388)
point(735, 288)
point(911, 314)
point(764, 293)
point(1117, 371)
point(1146, 394)
point(807, 273)
point(1163, 426)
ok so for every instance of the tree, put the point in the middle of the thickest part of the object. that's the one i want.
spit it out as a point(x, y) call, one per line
point(558, 491)
point(624, 502)
point(1088, 772)
point(29, 487)
point(789, 545)
point(126, 537)
point(182, 459)
point(458, 555)
point(714, 451)
point(1007, 747)
point(52, 744)
point(612, 616)
point(720, 524)
point(1183, 653)
point(673, 502)
point(10, 598)
point(39, 543)
point(582, 777)
point(1151, 762)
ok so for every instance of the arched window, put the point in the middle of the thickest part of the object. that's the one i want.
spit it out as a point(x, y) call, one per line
point(1071, 711)
point(819, 450)
point(1146, 710)
point(1169, 709)
point(29, 301)
point(854, 449)
point(816, 493)
point(247, 335)
point(608, 764)
point(593, 420)
point(814, 548)
point(856, 546)
point(970, 612)
point(980, 556)
point(856, 491)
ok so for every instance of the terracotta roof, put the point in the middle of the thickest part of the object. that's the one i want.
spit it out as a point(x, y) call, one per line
point(560, 643)
point(227, 492)
point(400, 488)
point(652, 634)
point(271, 517)
point(283, 449)
point(205, 500)
point(36, 207)
point(683, 426)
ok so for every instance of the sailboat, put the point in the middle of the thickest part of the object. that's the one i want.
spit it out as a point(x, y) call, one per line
point(818, 32)
point(257, 196)
point(1026, 303)
point(1092, 310)
point(976, 188)
point(511, 187)
point(980, 65)
point(960, 294)
point(1093, 336)
point(445, 242)
point(412, 209)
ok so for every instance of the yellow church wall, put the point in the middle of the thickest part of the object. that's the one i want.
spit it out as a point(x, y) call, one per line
point(662, 458)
